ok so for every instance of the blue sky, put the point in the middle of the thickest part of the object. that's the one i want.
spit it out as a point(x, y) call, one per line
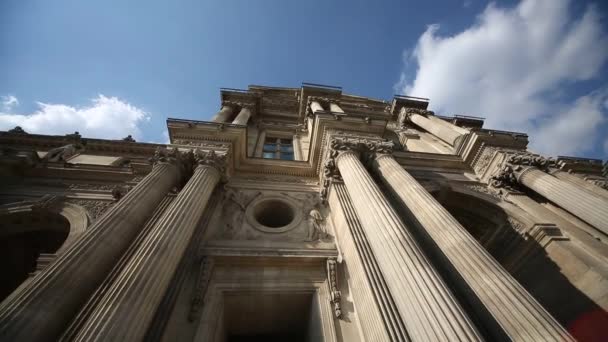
point(112, 68)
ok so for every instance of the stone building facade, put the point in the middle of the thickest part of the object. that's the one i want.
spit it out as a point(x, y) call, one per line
point(302, 214)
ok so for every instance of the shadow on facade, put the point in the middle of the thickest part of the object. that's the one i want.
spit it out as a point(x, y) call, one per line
point(523, 258)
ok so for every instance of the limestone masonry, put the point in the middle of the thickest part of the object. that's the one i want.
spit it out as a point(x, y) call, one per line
point(302, 214)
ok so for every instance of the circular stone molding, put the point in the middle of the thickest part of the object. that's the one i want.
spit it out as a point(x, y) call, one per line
point(273, 214)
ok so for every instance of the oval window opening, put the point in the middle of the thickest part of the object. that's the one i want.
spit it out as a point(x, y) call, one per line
point(274, 213)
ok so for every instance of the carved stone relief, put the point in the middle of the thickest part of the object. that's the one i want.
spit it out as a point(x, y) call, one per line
point(94, 208)
point(234, 220)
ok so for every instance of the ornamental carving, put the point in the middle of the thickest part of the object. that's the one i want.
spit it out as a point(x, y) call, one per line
point(369, 148)
point(406, 113)
point(210, 158)
point(334, 294)
point(202, 283)
point(504, 178)
point(164, 155)
point(528, 159)
point(484, 190)
point(63, 153)
point(317, 230)
point(94, 208)
point(515, 164)
point(48, 202)
point(484, 159)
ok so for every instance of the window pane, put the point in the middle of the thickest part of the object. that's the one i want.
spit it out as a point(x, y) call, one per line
point(271, 140)
point(287, 156)
point(286, 148)
point(268, 155)
point(270, 147)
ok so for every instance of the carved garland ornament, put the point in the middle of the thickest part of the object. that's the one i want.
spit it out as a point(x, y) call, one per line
point(334, 293)
point(202, 282)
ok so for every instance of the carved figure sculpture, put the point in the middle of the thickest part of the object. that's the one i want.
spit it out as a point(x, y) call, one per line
point(316, 226)
point(63, 153)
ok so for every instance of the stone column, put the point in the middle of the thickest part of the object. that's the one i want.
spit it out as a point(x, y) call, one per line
point(259, 147)
point(431, 125)
point(448, 125)
point(588, 207)
point(297, 147)
point(243, 116)
point(125, 312)
point(575, 180)
point(224, 114)
point(506, 305)
point(335, 108)
point(430, 311)
point(315, 106)
point(43, 308)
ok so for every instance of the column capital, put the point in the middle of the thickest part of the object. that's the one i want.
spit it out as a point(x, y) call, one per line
point(167, 156)
point(406, 113)
point(515, 165)
point(211, 159)
point(369, 148)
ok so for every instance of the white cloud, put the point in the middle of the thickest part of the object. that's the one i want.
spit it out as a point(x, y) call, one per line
point(9, 102)
point(509, 67)
point(105, 117)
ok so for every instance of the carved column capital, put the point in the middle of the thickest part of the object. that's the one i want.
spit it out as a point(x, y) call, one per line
point(165, 156)
point(368, 148)
point(212, 159)
point(406, 113)
point(517, 165)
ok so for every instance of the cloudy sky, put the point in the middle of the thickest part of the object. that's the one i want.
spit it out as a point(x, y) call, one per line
point(112, 68)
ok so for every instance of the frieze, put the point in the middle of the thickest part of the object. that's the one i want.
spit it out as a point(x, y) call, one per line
point(484, 158)
point(201, 144)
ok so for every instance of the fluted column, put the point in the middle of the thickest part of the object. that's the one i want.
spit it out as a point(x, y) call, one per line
point(335, 108)
point(429, 310)
point(515, 311)
point(297, 147)
point(42, 309)
point(224, 114)
point(243, 116)
point(448, 135)
point(125, 312)
point(590, 208)
point(447, 125)
point(315, 106)
point(592, 188)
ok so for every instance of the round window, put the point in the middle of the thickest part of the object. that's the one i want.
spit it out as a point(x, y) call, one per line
point(273, 214)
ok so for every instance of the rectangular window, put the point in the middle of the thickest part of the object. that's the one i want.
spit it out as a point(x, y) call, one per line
point(277, 148)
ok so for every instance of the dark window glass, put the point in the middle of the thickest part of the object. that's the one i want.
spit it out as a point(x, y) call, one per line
point(277, 148)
